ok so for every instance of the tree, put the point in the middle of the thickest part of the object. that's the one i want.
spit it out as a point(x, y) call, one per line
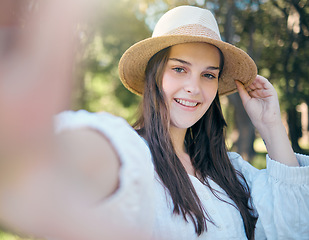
point(293, 69)
point(107, 36)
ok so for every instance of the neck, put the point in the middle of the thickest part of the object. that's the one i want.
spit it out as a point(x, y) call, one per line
point(178, 139)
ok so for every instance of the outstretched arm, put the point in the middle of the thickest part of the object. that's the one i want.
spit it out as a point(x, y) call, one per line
point(261, 103)
point(61, 193)
point(35, 81)
point(72, 185)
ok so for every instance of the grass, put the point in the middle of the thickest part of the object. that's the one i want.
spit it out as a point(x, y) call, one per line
point(259, 160)
point(7, 236)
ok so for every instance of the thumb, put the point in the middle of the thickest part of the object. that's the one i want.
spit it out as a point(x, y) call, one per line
point(243, 93)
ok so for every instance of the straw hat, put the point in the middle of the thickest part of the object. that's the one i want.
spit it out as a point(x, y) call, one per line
point(186, 24)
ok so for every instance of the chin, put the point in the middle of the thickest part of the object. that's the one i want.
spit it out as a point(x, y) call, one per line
point(183, 125)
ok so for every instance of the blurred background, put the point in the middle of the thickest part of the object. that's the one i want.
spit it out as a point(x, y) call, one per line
point(275, 33)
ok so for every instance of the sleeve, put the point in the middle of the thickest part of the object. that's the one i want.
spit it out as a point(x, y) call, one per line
point(280, 196)
point(130, 207)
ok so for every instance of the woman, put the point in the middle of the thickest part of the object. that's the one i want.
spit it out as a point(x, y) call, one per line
point(175, 180)
point(210, 191)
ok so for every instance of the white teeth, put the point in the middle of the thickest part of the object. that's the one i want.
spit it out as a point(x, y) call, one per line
point(186, 103)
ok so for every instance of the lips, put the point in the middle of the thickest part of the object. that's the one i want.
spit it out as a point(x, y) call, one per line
point(187, 103)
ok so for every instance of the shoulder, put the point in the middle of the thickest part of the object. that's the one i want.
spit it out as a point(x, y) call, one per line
point(105, 150)
point(80, 118)
point(118, 132)
point(242, 166)
point(237, 161)
point(88, 160)
point(108, 164)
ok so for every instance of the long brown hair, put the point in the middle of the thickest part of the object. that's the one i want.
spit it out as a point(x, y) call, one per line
point(205, 144)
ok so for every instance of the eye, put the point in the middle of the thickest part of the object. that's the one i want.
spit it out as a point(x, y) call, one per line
point(209, 76)
point(179, 70)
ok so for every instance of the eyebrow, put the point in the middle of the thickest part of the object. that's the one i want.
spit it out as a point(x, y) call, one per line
point(189, 64)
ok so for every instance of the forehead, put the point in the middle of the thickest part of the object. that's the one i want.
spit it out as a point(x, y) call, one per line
point(196, 52)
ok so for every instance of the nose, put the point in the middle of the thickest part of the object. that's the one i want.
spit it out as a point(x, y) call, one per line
point(192, 85)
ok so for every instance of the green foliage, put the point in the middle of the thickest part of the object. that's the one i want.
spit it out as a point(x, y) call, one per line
point(115, 30)
point(7, 236)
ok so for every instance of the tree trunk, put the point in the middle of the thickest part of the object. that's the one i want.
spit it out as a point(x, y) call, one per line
point(244, 143)
point(294, 122)
point(292, 58)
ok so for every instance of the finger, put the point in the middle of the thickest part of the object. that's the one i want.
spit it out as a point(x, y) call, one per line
point(243, 93)
point(35, 79)
point(250, 88)
point(257, 85)
point(255, 94)
point(262, 81)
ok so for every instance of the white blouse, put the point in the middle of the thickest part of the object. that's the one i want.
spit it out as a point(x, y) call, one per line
point(280, 193)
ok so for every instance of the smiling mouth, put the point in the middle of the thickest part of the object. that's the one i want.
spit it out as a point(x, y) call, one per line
point(186, 103)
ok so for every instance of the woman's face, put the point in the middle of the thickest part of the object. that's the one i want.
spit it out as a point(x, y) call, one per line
point(190, 82)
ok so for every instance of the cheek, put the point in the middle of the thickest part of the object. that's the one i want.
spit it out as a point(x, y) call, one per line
point(210, 90)
point(168, 85)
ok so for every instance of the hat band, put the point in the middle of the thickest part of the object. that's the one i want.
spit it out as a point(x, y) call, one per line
point(195, 30)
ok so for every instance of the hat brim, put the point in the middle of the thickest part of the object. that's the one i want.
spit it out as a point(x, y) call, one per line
point(238, 65)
